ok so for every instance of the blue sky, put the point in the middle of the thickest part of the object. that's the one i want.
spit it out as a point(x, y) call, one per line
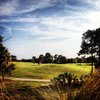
point(40, 26)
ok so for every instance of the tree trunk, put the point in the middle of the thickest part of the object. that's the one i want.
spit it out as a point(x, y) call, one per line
point(92, 69)
point(92, 64)
point(3, 76)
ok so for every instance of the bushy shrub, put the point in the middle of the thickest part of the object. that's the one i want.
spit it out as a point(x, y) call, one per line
point(68, 80)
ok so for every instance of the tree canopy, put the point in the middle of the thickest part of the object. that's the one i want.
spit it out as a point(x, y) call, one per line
point(91, 45)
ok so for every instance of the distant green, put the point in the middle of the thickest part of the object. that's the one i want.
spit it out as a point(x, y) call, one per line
point(48, 71)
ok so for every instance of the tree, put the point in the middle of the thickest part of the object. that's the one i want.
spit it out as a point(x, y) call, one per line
point(91, 46)
point(34, 59)
point(61, 59)
point(14, 58)
point(41, 58)
point(5, 65)
point(48, 58)
point(80, 60)
point(55, 58)
point(71, 60)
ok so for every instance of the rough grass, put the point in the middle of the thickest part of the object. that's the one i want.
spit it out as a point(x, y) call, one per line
point(10, 91)
point(16, 91)
point(91, 89)
point(47, 71)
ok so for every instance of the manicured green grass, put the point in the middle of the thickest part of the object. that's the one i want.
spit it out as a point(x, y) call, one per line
point(47, 71)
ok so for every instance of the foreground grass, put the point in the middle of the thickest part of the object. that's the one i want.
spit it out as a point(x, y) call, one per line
point(48, 71)
point(17, 90)
point(91, 88)
point(12, 91)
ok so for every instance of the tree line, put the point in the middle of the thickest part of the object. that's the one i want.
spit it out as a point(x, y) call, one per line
point(58, 59)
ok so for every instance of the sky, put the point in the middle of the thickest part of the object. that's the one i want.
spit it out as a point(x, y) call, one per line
point(40, 26)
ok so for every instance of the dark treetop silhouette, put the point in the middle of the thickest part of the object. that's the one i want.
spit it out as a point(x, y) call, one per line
point(91, 46)
point(5, 58)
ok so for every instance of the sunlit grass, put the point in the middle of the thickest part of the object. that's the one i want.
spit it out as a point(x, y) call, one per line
point(48, 71)
point(32, 84)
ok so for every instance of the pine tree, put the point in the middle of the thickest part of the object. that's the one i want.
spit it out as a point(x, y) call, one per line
point(5, 65)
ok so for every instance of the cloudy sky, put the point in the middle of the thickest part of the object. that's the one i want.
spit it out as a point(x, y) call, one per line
point(40, 26)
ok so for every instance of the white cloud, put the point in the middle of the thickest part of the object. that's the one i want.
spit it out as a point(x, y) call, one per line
point(48, 33)
point(71, 26)
point(76, 24)
point(9, 7)
point(64, 23)
point(93, 21)
point(95, 3)
point(35, 5)
point(27, 19)
point(15, 7)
